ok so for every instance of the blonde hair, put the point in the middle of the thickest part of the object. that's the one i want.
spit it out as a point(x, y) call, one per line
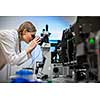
point(28, 26)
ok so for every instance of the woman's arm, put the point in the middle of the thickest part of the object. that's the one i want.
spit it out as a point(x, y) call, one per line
point(8, 46)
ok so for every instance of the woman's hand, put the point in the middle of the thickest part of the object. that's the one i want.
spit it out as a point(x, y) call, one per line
point(33, 44)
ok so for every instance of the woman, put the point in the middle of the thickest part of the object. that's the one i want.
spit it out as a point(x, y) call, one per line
point(10, 52)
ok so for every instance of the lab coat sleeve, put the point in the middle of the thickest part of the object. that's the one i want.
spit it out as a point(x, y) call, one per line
point(37, 54)
point(8, 46)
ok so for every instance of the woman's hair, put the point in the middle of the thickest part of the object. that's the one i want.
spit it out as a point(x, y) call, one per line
point(28, 26)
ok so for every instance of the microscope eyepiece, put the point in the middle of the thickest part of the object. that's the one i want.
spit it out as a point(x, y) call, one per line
point(33, 36)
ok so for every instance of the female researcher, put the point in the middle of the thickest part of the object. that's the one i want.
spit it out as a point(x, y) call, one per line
point(10, 52)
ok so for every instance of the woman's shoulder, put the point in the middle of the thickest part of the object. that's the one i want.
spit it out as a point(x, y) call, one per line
point(9, 33)
point(6, 31)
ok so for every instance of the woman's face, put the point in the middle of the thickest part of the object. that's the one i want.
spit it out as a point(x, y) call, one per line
point(28, 36)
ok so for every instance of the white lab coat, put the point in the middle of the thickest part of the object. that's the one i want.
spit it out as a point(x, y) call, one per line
point(9, 49)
